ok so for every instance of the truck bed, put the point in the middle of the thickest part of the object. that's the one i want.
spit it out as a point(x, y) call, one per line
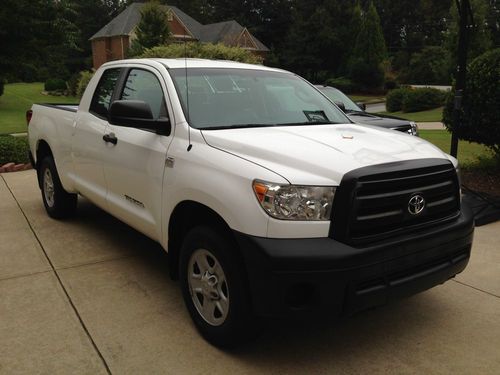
point(64, 106)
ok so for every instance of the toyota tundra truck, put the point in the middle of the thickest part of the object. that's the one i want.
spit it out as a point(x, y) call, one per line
point(268, 200)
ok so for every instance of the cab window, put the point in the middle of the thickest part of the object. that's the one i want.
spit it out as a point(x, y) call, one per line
point(144, 85)
point(104, 92)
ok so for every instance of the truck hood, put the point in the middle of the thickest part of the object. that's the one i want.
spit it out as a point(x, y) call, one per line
point(320, 154)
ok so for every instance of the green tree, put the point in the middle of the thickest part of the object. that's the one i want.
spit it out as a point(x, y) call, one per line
point(319, 38)
point(480, 114)
point(152, 29)
point(89, 17)
point(430, 66)
point(36, 38)
point(480, 36)
point(369, 51)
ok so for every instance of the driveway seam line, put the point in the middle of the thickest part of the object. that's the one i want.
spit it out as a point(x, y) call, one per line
point(23, 275)
point(70, 267)
point(478, 289)
point(60, 282)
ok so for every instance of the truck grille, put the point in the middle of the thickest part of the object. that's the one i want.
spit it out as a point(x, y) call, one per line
point(378, 200)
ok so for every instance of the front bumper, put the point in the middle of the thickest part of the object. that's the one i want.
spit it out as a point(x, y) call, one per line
point(295, 276)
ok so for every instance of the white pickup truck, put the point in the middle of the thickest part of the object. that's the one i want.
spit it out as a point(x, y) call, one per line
point(268, 200)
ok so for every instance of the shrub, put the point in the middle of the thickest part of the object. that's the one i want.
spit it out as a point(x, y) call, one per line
point(343, 84)
point(480, 114)
point(13, 149)
point(83, 81)
point(2, 83)
point(73, 84)
point(421, 99)
point(394, 99)
point(203, 50)
point(55, 84)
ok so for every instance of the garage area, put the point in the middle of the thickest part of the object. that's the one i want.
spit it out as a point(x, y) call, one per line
point(91, 295)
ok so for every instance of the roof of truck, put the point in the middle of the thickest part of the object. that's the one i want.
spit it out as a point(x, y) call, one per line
point(196, 63)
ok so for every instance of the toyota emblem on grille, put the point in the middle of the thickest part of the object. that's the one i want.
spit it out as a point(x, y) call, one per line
point(416, 204)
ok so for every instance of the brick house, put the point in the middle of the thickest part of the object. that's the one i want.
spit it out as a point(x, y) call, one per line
point(113, 40)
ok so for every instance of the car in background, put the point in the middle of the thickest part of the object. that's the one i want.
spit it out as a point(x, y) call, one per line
point(356, 112)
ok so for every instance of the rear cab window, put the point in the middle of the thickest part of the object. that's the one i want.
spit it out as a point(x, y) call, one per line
point(104, 92)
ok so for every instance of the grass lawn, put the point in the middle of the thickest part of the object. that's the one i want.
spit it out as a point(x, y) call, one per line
point(469, 153)
point(17, 99)
point(431, 115)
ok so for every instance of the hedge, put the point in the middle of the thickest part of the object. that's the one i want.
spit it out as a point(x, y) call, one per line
point(13, 149)
point(422, 99)
point(55, 84)
point(394, 99)
point(204, 51)
point(414, 100)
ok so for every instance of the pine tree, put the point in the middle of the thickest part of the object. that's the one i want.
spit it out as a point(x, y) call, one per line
point(369, 51)
point(152, 29)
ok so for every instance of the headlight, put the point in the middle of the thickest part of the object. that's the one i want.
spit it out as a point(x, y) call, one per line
point(294, 202)
point(414, 128)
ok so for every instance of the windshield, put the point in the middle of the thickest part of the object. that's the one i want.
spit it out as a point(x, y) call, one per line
point(228, 98)
point(338, 96)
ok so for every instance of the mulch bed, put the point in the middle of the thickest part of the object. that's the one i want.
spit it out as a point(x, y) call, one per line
point(483, 181)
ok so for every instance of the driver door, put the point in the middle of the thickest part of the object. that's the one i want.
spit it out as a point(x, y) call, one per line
point(134, 165)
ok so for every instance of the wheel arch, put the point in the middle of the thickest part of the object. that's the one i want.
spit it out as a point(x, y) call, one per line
point(42, 150)
point(185, 216)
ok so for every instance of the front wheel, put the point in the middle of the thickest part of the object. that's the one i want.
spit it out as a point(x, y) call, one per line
point(58, 202)
point(215, 289)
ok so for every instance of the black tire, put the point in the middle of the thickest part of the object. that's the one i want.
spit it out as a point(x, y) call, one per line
point(59, 204)
point(239, 323)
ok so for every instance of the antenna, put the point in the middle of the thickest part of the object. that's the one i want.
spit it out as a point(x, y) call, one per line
point(190, 146)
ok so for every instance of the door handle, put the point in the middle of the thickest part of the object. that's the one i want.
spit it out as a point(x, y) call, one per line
point(111, 138)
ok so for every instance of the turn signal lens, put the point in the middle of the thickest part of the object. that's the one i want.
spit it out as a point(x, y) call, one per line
point(260, 191)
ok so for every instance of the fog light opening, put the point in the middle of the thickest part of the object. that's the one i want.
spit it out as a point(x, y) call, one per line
point(300, 296)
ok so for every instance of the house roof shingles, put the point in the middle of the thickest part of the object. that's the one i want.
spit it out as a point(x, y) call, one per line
point(227, 31)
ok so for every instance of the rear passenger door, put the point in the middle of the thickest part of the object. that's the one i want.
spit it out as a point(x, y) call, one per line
point(134, 166)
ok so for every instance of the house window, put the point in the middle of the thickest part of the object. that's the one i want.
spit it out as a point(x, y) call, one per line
point(170, 16)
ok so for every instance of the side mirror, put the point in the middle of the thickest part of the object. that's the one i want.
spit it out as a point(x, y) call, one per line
point(341, 105)
point(137, 114)
point(362, 106)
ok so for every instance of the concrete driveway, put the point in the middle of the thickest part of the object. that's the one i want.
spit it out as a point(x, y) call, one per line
point(91, 295)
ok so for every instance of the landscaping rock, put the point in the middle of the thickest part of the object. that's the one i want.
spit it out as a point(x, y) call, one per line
point(12, 167)
point(8, 167)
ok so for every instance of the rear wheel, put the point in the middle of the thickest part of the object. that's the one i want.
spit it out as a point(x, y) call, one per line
point(58, 203)
point(215, 289)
